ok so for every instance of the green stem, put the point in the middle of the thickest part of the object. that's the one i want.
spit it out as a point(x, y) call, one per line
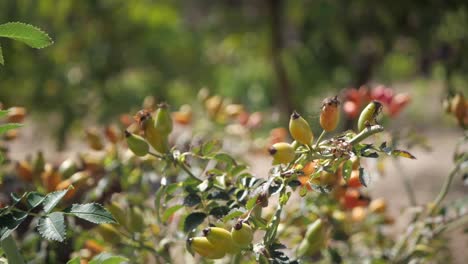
point(366, 133)
point(11, 251)
point(156, 155)
point(187, 170)
point(320, 138)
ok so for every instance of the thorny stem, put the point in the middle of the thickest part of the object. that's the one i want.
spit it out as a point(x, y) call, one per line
point(433, 207)
point(367, 132)
point(443, 192)
point(406, 182)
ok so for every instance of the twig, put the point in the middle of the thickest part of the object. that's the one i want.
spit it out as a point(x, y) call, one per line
point(320, 138)
point(366, 133)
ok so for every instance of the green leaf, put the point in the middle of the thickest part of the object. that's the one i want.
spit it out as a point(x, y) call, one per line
point(235, 213)
point(6, 127)
point(402, 153)
point(52, 199)
point(251, 202)
point(8, 224)
point(75, 260)
point(92, 212)
point(107, 258)
point(170, 211)
point(347, 168)
point(1, 158)
point(157, 202)
point(219, 211)
point(193, 220)
point(52, 226)
point(364, 177)
point(192, 200)
point(34, 199)
point(28, 34)
point(226, 158)
point(2, 61)
point(238, 169)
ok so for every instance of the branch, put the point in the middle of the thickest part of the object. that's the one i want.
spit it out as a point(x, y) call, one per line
point(369, 131)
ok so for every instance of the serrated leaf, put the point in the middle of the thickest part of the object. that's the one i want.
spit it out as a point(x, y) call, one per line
point(8, 224)
point(364, 177)
point(107, 258)
point(28, 34)
point(402, 153)
point(193, 220)
point(16, 198)
point(10, 126)
point(52, 226)
point(92, 212)
point(34, 199)
point(347, 169)
point(233, 214)
point(52, 199)
point(170, 211)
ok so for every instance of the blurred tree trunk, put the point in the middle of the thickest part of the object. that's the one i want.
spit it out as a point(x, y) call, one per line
point(284, 89)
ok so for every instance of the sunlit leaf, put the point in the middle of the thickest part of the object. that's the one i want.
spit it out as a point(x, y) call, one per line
point(107, 258)
point(347, 169)
point(52, 199)
point(235, 213)
point(28, 34)
point(402, 153)
point(10, 126)
point(52, 226)
point(170, 211)
point(34, 199)
point(92, 212)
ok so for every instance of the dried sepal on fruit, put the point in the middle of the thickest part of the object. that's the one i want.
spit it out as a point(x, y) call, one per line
point(155, 138)
point(242, 234)
point(205, 248)
point(283, 153)
point(218, 235)
point(330, 114)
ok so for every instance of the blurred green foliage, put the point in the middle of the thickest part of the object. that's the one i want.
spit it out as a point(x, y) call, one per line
point(109, 54)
